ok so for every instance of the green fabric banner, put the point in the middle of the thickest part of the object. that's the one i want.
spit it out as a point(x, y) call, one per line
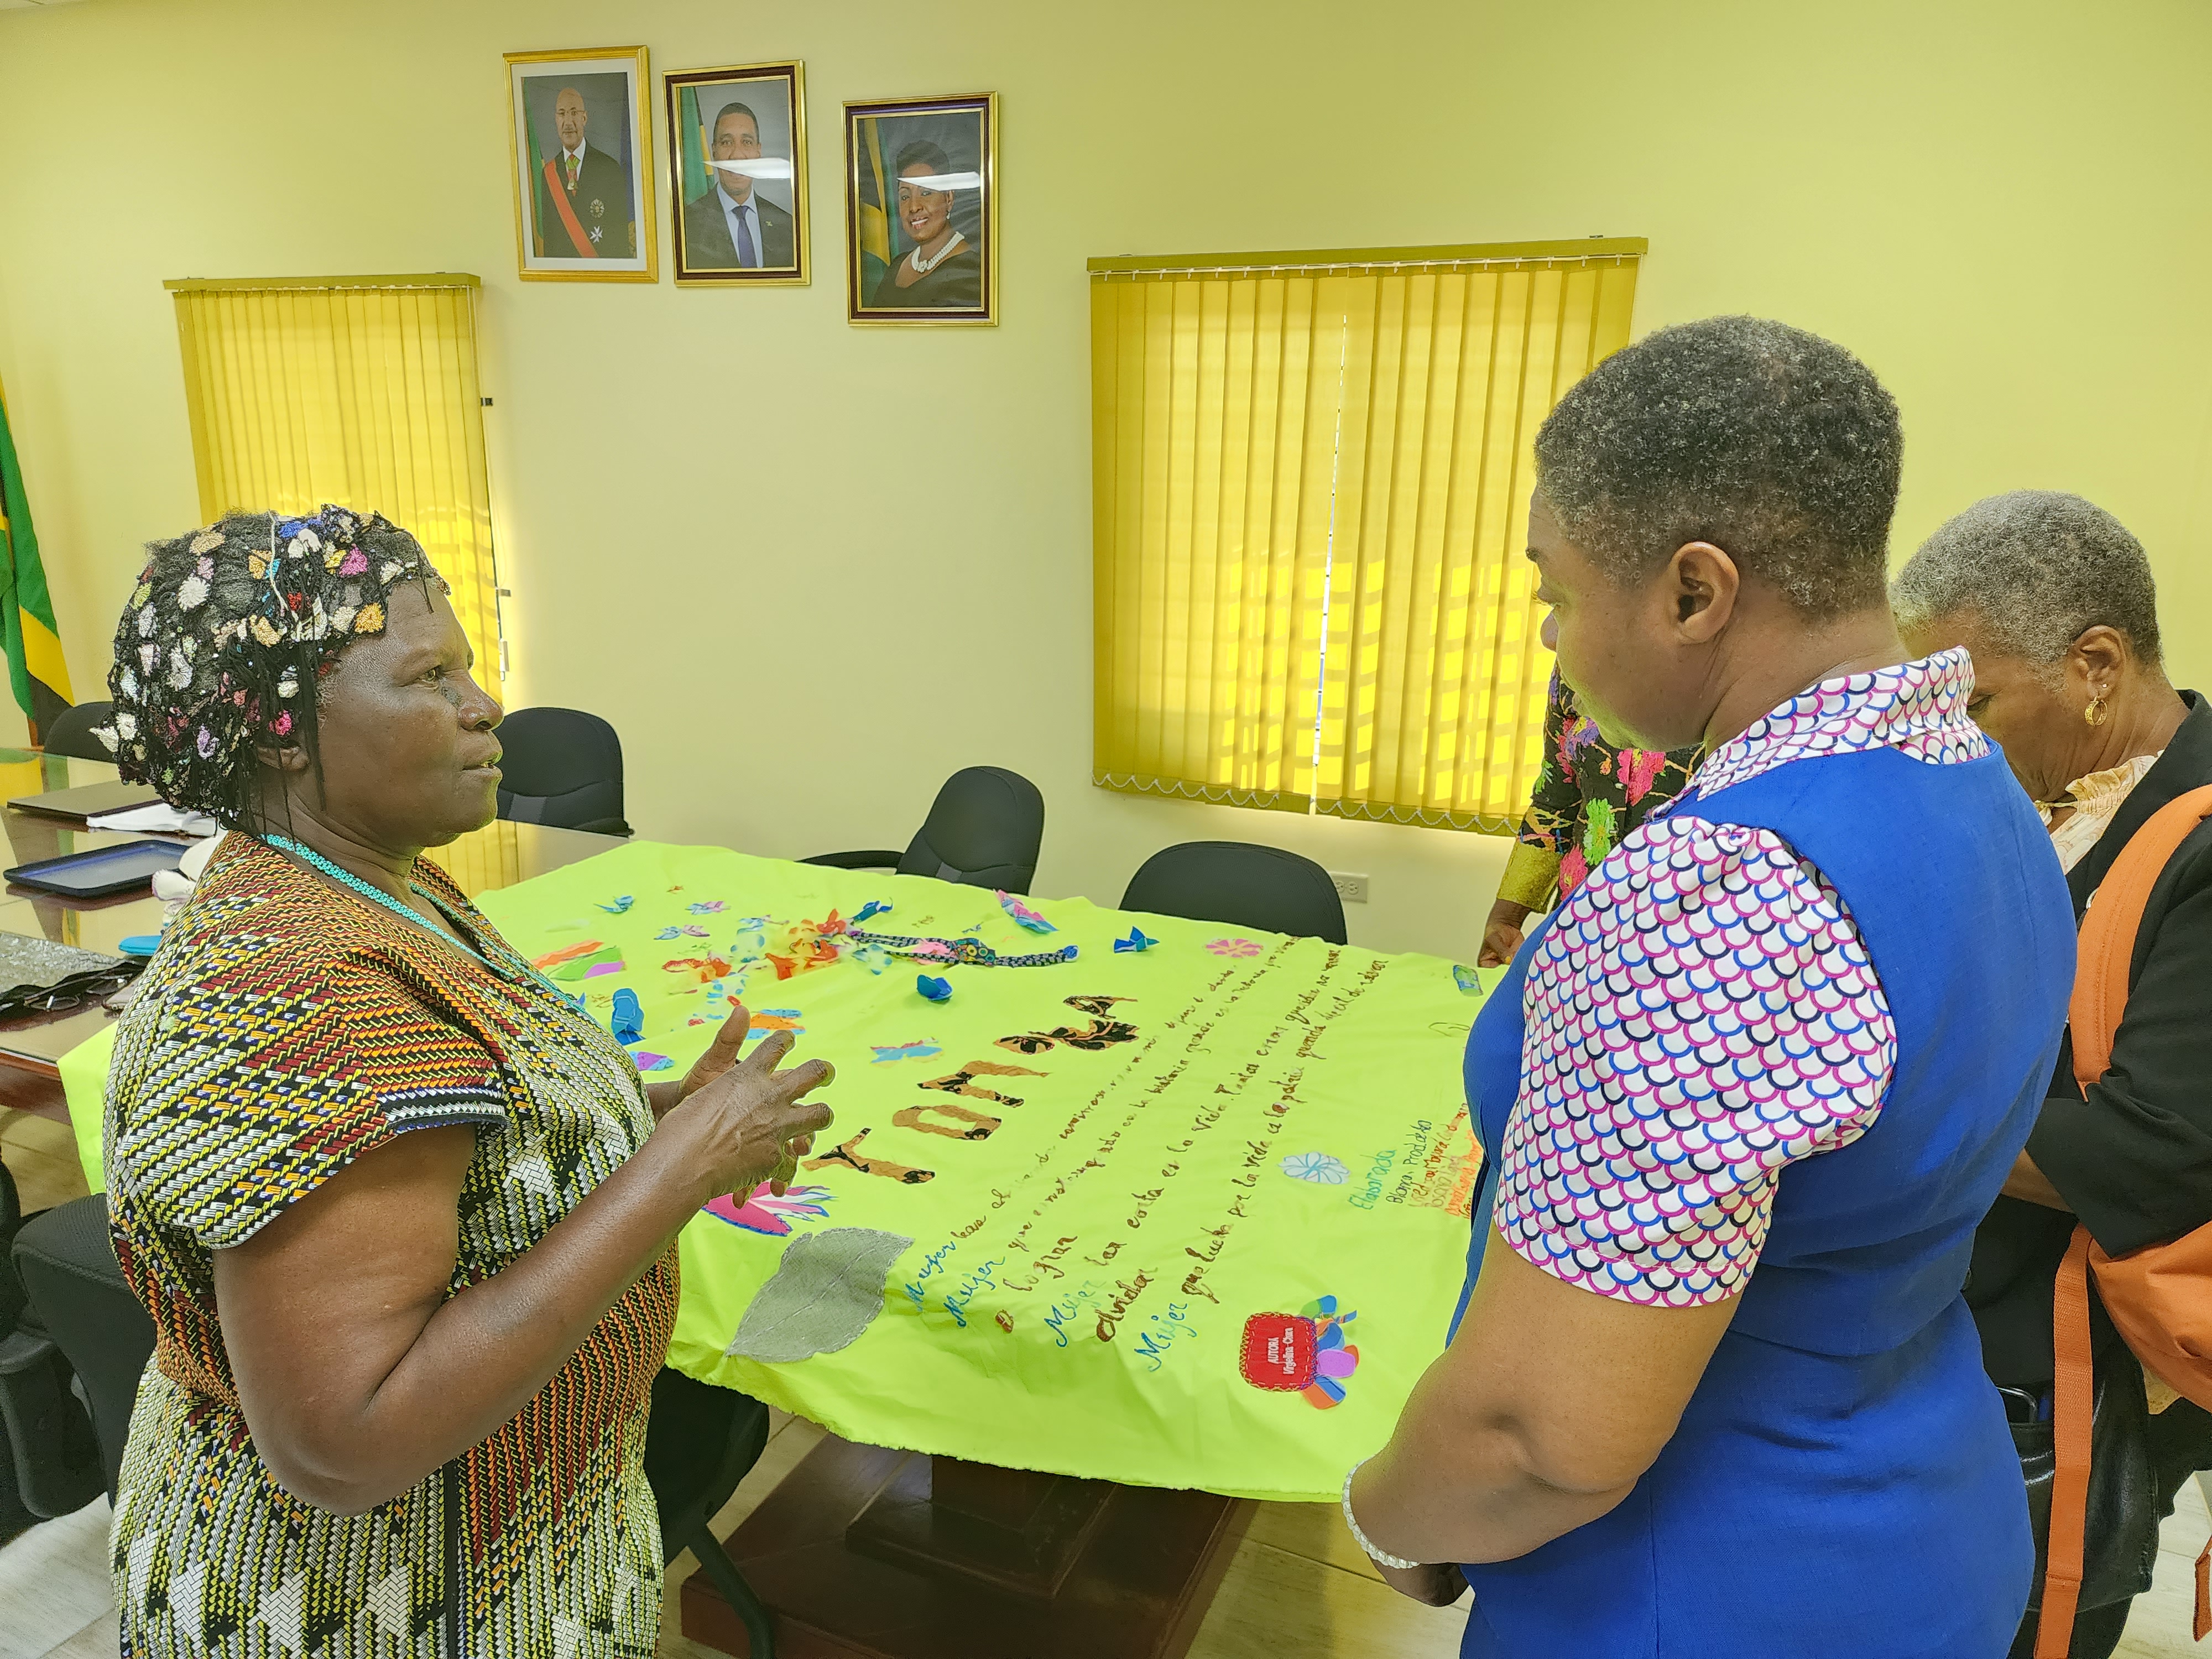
point(1109, 1167)
point(1194, 1215)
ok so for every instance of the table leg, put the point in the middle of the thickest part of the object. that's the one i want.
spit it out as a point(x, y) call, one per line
point(868, 1553)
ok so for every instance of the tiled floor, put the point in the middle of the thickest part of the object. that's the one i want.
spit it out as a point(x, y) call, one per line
point(1298, 1588)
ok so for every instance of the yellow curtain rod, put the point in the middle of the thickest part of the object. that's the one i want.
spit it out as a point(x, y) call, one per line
point(1614, 248)
point(225, 284)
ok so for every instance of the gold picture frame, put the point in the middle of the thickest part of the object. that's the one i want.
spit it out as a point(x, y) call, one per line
point(892, 277)
point(592, 221)
point(746, 109)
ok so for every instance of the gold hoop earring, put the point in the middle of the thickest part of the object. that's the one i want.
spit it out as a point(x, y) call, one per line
point(2094, 714)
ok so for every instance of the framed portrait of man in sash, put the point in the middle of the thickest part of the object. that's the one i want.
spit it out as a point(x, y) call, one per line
point(581, 130)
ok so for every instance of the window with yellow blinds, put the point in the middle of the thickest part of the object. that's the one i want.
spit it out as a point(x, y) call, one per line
point(1310, 477)
point(360, 391)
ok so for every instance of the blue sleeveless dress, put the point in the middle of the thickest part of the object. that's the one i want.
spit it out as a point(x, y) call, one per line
point(1843, 1485)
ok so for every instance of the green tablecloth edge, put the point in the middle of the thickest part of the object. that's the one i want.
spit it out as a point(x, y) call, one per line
point(84, 1082)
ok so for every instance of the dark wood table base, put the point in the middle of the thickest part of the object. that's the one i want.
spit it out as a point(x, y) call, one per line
point(868, 1554)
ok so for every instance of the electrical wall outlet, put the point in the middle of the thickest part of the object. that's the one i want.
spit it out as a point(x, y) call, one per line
point(1351, 888)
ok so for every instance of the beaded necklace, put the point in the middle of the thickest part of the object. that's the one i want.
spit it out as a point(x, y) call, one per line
point(314, 861)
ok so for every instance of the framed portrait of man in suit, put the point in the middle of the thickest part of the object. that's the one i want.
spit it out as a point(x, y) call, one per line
point(737, 174)
point(921, 210)
point(579, 132)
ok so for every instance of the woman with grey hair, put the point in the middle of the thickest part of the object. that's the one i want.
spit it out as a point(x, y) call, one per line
point(2055, 601)
point(1747, 1091)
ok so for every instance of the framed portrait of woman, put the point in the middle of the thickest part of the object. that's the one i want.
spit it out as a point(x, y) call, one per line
point(737, 174)
point(921, 210)
point(580, 136)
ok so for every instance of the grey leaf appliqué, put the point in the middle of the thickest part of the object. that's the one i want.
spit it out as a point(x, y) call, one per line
point(827, 1290)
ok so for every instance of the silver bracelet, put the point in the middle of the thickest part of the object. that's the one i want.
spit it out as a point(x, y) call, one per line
point(1353, 1521)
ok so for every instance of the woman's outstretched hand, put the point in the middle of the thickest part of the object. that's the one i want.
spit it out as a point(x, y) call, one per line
point(743, 1120)
point(729, 1042)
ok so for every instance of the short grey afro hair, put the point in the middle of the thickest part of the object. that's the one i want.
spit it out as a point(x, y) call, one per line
point(1777, 447)
point(2036, 567)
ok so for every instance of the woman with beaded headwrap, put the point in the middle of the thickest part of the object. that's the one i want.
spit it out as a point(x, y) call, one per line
point(404, 1217)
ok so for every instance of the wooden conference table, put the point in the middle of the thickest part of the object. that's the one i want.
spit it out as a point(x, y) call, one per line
point(1340, 1178)
point(498, 855)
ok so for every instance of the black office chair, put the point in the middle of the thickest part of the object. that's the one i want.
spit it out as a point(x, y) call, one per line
point(985, 830)
point(561, 767)
point(46, 1439)
point(70, 732)
point(1241, 885)
point(77, 1290)
point(699, 1443)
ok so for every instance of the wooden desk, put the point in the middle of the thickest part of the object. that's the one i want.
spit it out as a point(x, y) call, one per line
point(498, 855)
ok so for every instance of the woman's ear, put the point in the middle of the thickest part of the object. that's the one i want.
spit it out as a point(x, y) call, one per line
point(2100, 656)
point(1701, 583)
point(292, 758)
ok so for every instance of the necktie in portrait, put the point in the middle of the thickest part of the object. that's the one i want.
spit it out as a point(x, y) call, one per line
point(572, 173)
point(747, 260)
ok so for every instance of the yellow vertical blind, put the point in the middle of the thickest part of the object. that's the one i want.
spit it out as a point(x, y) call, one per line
point(358, 391)
point(1310, 481)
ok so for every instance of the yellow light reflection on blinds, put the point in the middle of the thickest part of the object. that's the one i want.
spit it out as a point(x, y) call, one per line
point(1310, 496)
point(355, 393)
point(482, 860)
point(1215, 431)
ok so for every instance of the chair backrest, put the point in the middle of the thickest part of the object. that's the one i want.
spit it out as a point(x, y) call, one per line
point(1241, 885)
point(11, 1219)
point(70, 732)
point(68, 1267)
point(985, 830)
point(700, 1441)
point(561, 767)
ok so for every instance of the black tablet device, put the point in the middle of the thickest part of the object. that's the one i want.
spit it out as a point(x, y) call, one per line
point(87, 800)
point(102, 873)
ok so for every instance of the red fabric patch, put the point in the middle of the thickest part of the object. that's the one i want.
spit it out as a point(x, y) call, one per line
point(1278, 1351)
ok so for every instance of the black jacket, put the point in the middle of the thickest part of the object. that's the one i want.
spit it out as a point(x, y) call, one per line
point(2134, 1160)
point(601, 201)
point(707, 244)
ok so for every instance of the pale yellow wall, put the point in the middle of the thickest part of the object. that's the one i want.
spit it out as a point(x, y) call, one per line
point(808, 569)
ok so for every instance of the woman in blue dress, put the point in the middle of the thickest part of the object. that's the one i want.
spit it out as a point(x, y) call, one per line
point(1746, 1091)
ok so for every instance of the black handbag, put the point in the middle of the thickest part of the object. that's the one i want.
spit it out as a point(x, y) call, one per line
point(2120, 1541)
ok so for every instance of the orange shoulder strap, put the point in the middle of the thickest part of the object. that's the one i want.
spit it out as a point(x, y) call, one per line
point(2107, 949)
point(2072, 1399)
point(2108, 932)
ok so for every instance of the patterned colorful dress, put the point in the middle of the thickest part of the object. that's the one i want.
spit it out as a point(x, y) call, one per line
point(1762, 1054)
point(284, 1030)
point(1588, 796)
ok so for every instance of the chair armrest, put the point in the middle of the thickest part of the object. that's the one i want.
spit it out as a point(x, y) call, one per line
point(877, 861)
point(44, 1430)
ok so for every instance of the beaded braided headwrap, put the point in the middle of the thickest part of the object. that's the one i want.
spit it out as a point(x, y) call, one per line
point(226, 635)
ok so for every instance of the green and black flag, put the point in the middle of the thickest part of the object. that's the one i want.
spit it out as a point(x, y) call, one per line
point(35, 669)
